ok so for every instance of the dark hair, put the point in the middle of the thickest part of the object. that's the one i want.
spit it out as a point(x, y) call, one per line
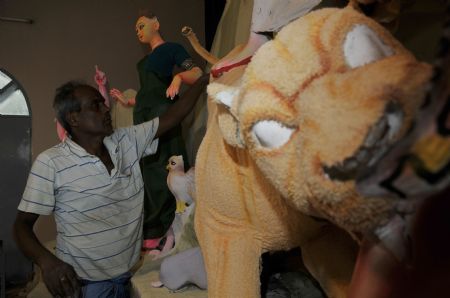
point(66, 102)
point(146, 13)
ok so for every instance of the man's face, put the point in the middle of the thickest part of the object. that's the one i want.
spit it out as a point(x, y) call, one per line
point(146, 28)
point(94, 117)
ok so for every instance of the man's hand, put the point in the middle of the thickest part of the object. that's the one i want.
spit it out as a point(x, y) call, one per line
point(174, 87)
point(59, 277)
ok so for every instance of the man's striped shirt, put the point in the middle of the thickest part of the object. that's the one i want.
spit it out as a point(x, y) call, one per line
point(98, 215)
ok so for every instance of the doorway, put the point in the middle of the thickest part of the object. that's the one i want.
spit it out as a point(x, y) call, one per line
point(15, 162)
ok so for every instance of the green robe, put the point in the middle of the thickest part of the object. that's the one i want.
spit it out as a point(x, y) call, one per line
point(155, 75)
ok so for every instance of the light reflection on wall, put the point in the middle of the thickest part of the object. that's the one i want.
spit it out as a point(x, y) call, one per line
point(12, 100)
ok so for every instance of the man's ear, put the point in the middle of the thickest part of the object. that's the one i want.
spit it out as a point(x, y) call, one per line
point(156, 25)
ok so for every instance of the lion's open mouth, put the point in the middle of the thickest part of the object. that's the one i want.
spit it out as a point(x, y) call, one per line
point(378, 140)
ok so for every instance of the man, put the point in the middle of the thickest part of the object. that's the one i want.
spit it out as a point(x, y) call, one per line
point(93, 184)
point(158, 87)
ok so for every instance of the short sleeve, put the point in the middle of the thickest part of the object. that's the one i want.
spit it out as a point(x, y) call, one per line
point(182, 58)
point(144, 134)
point(39, 194)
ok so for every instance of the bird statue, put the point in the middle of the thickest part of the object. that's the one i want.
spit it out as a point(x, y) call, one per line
point(181, 184)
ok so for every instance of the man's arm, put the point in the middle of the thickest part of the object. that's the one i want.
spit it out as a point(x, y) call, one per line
point(182, 107)
point(59, 277)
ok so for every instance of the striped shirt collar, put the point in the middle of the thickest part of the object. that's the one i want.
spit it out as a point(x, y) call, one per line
point(81, 152)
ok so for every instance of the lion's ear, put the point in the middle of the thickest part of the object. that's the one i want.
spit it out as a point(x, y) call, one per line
point(223, 94)
point(362, 46)
point(227, 96)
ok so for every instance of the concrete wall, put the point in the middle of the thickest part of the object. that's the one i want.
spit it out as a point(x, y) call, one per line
point(68, 38)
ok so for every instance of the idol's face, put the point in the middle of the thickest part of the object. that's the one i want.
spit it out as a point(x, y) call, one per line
point(146, 29)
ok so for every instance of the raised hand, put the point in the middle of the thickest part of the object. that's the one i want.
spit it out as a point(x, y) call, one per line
point(118, 95)
point(190, 35)
point(99, 77)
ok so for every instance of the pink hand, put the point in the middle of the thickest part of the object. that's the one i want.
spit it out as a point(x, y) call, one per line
point(118, 95)
point(174, 87)
point(100, 77)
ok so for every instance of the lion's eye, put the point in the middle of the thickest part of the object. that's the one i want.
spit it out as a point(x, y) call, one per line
point(271, 134)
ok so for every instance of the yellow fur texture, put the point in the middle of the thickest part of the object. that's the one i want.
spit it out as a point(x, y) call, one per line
point(326, 82)
point(328, 79)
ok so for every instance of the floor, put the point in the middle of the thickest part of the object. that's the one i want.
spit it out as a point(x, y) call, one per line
point(142, 288)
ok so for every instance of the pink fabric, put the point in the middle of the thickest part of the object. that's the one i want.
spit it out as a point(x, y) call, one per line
point(60, 131)
point(151, 243)
point(100, 79)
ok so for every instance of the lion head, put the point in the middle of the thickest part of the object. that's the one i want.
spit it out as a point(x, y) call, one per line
point(320, 104)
